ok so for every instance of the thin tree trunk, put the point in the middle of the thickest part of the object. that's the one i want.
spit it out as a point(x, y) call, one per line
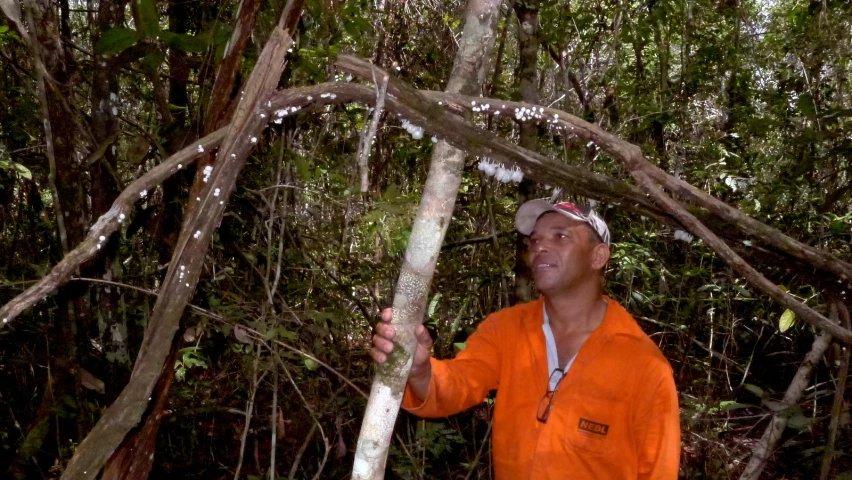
point(766, 445)
point(421, 256)
point(528, 47)
point(839, 392)
point(104, 107)
point(135, 458)
point(179, 284)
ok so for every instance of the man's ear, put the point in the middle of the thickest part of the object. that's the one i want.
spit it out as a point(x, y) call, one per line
point(600, 255)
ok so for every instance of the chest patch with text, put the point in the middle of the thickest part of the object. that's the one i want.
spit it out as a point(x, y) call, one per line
point(593, 427)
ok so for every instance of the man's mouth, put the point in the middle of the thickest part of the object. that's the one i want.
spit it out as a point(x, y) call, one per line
point(541, 265)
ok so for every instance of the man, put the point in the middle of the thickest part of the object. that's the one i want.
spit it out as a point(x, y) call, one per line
point(582, 392)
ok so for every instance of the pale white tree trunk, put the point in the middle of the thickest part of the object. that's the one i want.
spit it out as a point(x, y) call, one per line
point(427, 235)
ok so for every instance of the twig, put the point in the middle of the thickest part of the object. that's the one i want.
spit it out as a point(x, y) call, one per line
point(41, 76)
point(366, 143)
point(475, 461)
point(472, 241)
point(837, 405)
point(249, 409)
point(714, 353)
point(298, 458)
point(313, 416)
point(273, 419)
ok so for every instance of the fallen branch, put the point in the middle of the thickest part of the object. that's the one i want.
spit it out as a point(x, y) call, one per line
point(304, 99)
point(630, 155)
point(766, 445)
point(627, 152)
point(736, 262)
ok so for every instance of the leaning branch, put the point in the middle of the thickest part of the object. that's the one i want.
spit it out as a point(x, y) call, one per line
point(766, 445)
point(434, 118)
point(185, 267)
point(624, 151)
point(737, 262)
point(106, 225)
point(425, 109)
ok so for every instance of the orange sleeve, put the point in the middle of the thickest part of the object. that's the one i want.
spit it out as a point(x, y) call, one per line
point(463, 382)
point(657, 428)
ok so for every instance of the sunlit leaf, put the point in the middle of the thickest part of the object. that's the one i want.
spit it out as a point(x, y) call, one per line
point(788, 318)
point(434, 304)
point(311, 364)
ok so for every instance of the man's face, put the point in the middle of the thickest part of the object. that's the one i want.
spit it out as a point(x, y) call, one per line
point(564, 253)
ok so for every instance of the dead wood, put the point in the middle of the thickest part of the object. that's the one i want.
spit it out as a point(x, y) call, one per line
point(423, 109)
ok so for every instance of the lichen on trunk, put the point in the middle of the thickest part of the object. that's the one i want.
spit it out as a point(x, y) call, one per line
point(421, 256)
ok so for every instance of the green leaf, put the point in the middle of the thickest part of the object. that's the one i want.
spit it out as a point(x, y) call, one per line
point(302, 168)
point(458, 347)
point(149, 18)
point(638, 297)
point(152, 61)
point(116, 40)
point(788, 318)
point(311, 364)
point(806, 105)
point(434, 304)
point(728, 405)
point(184, 42)
point(838, 227)
point(755, 390)
point(17, 167)
point(4, 28)
point(798, 421)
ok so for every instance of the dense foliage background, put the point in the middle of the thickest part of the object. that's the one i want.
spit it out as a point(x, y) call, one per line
point(748, 100)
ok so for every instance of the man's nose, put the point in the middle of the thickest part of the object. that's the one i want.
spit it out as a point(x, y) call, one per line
point(539, 246)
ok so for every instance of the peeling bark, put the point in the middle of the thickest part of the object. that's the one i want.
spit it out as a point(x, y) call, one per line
point(421, 256)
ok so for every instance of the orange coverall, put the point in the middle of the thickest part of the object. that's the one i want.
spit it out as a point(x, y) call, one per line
point(614, 416)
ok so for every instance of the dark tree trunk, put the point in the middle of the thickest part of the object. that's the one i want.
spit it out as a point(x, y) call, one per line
point(528, 46)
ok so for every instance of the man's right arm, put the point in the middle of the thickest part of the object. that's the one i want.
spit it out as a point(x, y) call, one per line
point(445, 387)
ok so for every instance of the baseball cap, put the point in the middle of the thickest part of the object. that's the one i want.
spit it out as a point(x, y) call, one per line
point(530, 211)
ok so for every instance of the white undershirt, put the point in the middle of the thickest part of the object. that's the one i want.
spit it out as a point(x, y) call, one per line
point(552, 354)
